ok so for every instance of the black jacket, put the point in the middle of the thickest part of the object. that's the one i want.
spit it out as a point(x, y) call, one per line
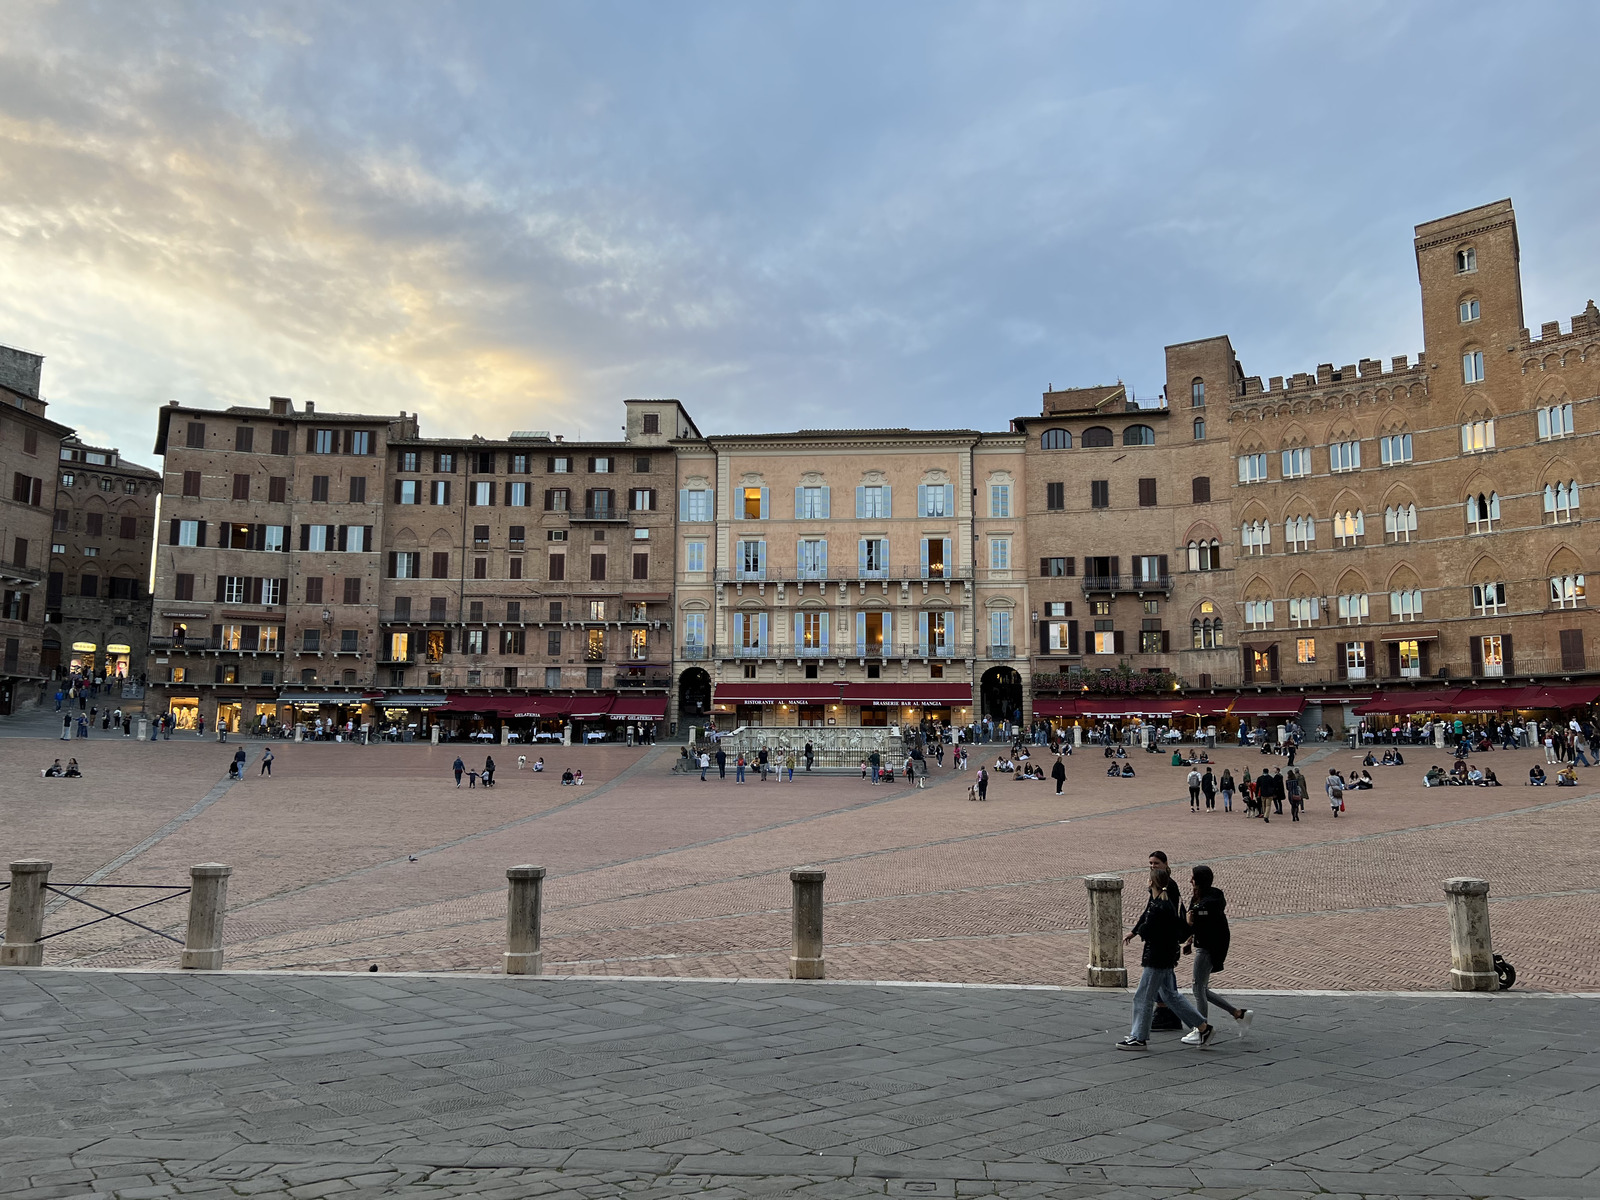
point(1059, 771)
point(1161, 930)
point(1210, 928)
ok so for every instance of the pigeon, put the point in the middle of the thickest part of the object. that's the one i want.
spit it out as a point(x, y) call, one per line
point(411, 858)
point(373, 967)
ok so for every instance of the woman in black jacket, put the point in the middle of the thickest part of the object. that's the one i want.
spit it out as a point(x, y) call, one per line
point(1162, 930)
point(1208, 928)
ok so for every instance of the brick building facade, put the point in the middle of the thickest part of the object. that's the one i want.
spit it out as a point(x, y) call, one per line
point(98, 588)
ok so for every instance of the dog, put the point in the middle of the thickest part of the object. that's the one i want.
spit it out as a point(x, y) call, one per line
point(522, 761)
point(972, 791)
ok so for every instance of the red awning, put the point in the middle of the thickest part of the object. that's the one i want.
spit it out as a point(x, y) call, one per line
point(1494, 699)
point(589, 706)
point(1561, 697)
point(1055, 708)
point(534, 706)
point(925, 695)
point(1339, 698)
point(460, 702)
point(639, 708)
point(1127, 706)
point(1201, 706)
point(1268, 706)
point(814, 692)
point(1402, 703)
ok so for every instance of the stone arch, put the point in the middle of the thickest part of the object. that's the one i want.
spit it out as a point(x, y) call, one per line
point(1201, 531)
point(1392, 420)
point(1351, 582)
point(1485, 569)
point(441, 540)
point(1294, 437)
point(405, 538)
point(1563, 560)
point(1403, 578)
point(694, 693)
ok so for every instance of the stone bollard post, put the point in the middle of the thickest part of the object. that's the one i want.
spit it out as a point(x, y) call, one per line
point(208, 904)
point(1106, 967)
point(25, 914)
point(805, 956)
point(524, 903)
point(434, 735)
point(1077, 735)
point(144, 730)
point(1471, 948)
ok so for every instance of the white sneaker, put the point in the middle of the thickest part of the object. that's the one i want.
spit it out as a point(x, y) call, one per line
point(1243, 1022)
point(1192, 1038)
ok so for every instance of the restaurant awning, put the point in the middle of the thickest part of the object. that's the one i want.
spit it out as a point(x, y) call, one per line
point(1402, 703)
point(639, 708)
point(535, 706)
point(1495, 698)
point(1412, 635)
point(1267, 706)
point(1127, 706)
point(462, 702)
point(322, 698)
point(581, 707)
point(814, 692)
point(411, 701)
point(1562, 697)
point(924, 695)
point(1055, 708)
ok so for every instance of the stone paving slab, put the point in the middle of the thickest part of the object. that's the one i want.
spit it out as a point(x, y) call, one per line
point(489, 1086)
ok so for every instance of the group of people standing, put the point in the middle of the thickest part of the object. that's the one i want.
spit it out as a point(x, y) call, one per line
point(1263, 795)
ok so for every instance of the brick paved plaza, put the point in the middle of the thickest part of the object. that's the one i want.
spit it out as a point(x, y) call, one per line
point(657, 874)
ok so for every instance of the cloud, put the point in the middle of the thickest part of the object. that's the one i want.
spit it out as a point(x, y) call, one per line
point(508, 217)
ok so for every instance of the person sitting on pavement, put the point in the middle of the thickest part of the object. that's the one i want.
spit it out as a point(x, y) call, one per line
point(53, 771)
point(1388, 758)
point(538, 764)
point(1536, 776)
point(1458, 772)
point(1567, 776)
point(1177, 758)
point(1113, 771)
point(72, 771)
point(1475, 776)
point(1435, 777)
point(1369, 761)
point(1127, 770)
point(1489, 779)
point(566, 776)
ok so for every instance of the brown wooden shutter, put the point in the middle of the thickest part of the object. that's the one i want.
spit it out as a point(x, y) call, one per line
point(255, 589)
point(1117, 641)
point(1572, 657)
point(1044, 566)
point(1116, 567)
point(219, 589)
point(1072, 566)
point(1339, 660)
point(200, 538)
point(1248, 666)
point(1166, 641)
point(1272, 662)
point(1161, 565)
point(1510, 661)
point(1425, 654)
point(1044, 637)
point(397, 484)
point(172, 540)
point(1394, 659)
point(1072, 637)
point(1476, 649)
point(1201, 487)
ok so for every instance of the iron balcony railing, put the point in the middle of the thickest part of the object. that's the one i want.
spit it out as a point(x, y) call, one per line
point(834, 648)
point(780, 573)
point(599, 512)
point(1126, 583)
point(183, 643)
point(1002, 652)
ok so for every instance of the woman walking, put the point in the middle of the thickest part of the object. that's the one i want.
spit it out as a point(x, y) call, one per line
point(1059, 774)
point(1227, 789)
point(1295, 784)
point(1208, 928)
point(1194, 789)
point(983, 784)
point(1208, 788)
point(1334, 786)
point(1162, 932)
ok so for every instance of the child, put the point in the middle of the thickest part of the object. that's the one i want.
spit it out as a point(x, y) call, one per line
point(472, 777)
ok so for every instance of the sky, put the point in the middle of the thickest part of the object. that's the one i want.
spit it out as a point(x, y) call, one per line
point(513, 216)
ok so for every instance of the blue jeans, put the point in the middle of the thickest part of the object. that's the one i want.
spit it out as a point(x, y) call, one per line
point(1579, 759)
point(1160, 983)
point(1203, 995)
point(738, 773)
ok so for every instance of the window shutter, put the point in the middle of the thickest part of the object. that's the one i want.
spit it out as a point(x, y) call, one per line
point(861, 558)
point(366, 539)
point(1044, 566)
point(1161, 565)
point(683, 504)
point(822, 563)
point(1338, 654)
point(1117, 641)
point(824, 632)
point(344, 538)
point(888, 630)
point(1510, 661)
point(799, 630)
point(950, 500)
point(797, 497)
point(1044, 637)
point(861, 632)
point(1272, 659)
point(1072, 637)
point(172, 540)
point(861, 502)
point(922, 499)
point(219, 589)
point(311, 440)
point(761, 630)
point(949, 566)
point(1116, 567)
point(761, 562)
point(924, 558)
point(826, 502)
point(922, 632)
point(1476, 647)
point(394, 565)
point(1166, 641)
point(1425, 652)
point(258, 537)
point(888, 501)
point(255, 589)
point(200, 540)
point(738, 629)
point(1572, 657)
point(397, 485)
point(1394, 659)
point(764, 510)
point(1248, 666)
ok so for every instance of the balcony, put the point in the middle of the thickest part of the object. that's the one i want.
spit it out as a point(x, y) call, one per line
point(1113, 584)
point(834, 649)
point(780, 573)
point(642, 682)
point(181, 644)
point(600, 512)
point(1002, 653)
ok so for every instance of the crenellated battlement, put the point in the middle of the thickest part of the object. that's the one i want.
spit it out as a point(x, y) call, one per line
point(1584, 325)
point(1366, 371)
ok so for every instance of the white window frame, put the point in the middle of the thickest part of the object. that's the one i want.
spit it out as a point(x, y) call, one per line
point(1394, 449)
point(1349, 527)
point(1472, 366)
point(1555, 421)
point(1296, 463)
point(1466, 260)
point(1258, 614)
point(1405, 604)
point(694, 556)
point(1343, 457)
point(1300, 534)
point(188, 533)
point(1000, 554)
point(1305, 611)
point(1567, 591)
point(233, 589)
point(1561, 502)
point(1000, 500)
point(1479, 521)
point(1256, 536)
point(1488, 599)
point(1354, 608)
point(1399, 522)
point(1253, 468)
point(1469, 311)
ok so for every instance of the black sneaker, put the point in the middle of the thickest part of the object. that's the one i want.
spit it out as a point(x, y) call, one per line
point(1131, 1043)
point(1206, 1034)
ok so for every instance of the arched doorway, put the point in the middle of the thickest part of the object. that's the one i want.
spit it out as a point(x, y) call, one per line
point(1001, 689)
point(694, 693)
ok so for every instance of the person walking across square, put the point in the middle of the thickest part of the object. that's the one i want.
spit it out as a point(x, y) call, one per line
point(1162, 932)
point(266, 761)
point(1207, 922)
